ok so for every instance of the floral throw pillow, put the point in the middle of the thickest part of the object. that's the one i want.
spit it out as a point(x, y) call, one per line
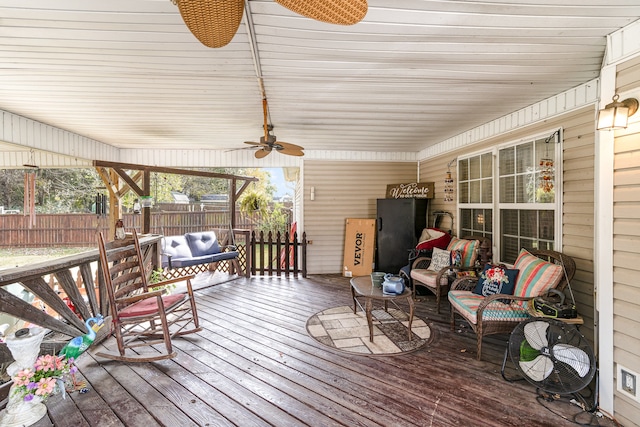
point(439, 259)
point(496, 279)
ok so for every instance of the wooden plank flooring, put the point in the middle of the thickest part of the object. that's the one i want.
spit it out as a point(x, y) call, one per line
point(255, 365)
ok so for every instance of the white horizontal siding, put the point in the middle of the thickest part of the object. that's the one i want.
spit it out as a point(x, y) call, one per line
point(343, 190)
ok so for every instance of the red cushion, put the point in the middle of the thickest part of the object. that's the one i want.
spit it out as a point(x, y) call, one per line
point(149, 306)
point(439, 242)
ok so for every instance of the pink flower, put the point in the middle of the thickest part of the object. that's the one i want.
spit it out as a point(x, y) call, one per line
point(23, 377)
point(45, 386)
point(46, 363)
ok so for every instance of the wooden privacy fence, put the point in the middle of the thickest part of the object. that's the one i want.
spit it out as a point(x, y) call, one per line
point(80, 230)
point(277, 255)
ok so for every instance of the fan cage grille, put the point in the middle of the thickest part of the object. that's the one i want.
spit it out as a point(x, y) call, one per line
point(555, 375)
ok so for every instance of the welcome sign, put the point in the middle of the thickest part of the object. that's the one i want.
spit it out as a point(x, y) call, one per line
point(359, 247)
point(412, 190)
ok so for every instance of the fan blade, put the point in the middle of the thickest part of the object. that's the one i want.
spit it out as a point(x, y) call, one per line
point(537, 369)
point(286, 145)
point(262, 153)
point(575, 357)
point(291, 152)
point(536, 334)
point(213, 23)
point(342, 12)
point(255, 144)
point(527, 353)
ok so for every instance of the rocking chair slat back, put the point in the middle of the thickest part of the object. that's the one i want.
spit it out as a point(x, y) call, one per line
point(142, 318)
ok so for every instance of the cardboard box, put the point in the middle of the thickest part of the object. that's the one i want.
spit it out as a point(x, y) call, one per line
point(359, 247)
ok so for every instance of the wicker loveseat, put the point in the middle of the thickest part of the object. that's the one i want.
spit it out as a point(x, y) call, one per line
point(437, 280)
point(538, 272)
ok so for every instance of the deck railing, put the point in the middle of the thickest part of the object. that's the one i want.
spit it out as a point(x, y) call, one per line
point(275, 255)
point(61, 294)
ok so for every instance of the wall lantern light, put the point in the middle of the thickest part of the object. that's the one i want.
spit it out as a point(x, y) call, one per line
point(616, 115)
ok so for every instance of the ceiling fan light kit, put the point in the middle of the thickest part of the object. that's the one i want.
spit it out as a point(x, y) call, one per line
point(269, 141)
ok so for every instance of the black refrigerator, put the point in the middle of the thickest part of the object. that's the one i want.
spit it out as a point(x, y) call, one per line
point(399, 224)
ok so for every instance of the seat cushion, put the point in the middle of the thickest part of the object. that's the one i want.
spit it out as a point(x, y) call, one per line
point(466, 303)
point(224, 255)
point(149, 306)
point(536, 276)
point(189, 261)
point(468, 250)
point(203, 243)
point(428, 277)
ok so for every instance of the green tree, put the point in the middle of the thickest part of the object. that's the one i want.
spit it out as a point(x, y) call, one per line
point(11, 188)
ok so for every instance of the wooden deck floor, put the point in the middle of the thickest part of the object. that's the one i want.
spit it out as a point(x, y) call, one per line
point(255, 365)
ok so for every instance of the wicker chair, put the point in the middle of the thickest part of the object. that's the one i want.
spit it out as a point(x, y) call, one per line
point(438, 281)
point(501, 313)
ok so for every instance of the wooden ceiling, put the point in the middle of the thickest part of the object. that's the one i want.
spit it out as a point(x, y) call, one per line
point(411, 74)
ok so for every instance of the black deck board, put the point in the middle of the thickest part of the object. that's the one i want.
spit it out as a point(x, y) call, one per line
point(254, 364)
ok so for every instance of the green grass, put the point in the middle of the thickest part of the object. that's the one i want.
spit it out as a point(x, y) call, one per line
point(20, 257)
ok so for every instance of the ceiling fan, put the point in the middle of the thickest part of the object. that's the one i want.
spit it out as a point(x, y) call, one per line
point(269, 142)
point(215, 22)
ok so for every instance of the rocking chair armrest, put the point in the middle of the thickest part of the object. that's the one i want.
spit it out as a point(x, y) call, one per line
point(421, 262)
point(467, 283)
point(174, 280)
point(138, 297)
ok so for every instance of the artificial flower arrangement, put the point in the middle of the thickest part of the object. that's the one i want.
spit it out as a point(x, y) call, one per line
point(46, 377)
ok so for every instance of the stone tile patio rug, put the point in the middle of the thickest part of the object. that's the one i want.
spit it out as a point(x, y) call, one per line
point(341, 329)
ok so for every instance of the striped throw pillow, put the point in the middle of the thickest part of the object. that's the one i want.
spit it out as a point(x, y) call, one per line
point(536, 275)
point(468, 250)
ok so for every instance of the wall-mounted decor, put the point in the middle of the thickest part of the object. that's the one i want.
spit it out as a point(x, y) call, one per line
point(412, 190)
point(448, 183)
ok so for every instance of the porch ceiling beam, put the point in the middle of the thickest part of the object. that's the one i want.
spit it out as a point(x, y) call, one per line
point(177, 171)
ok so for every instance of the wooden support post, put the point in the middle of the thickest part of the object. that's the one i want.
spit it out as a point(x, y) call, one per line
point(115, 209)
point(146, 211)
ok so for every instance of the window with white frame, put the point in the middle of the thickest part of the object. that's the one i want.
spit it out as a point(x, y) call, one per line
point(475, 195)
point(526, 210)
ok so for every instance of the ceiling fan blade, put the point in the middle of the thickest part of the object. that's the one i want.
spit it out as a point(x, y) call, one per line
point(255, 144)
point(214, 23)
point(290, 152)
point(342, 12)
point(536, 334)
point(288, 146)
point(262, 153)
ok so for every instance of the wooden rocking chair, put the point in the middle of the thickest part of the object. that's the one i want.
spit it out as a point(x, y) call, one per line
point(142, 317)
